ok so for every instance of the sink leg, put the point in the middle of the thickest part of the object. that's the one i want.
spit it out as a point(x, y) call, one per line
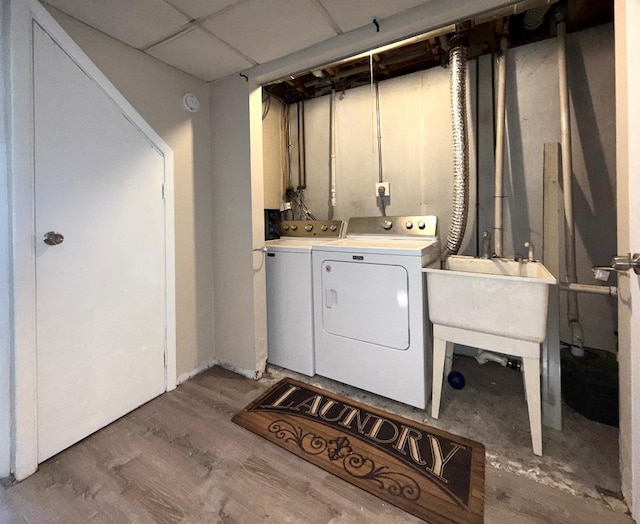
point(440, 350)
point(531, 368)
point(448, 361)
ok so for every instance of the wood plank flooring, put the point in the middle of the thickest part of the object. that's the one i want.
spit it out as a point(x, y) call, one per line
point(180, 459)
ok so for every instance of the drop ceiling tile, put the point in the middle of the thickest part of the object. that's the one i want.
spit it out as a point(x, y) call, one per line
point(200, 8)
point(137, 23)
point(356, 13)
point(198, 53)
point(265, 30)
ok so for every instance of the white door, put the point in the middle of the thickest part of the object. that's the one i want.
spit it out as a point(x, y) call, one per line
point(101, 292)
point(627, 17)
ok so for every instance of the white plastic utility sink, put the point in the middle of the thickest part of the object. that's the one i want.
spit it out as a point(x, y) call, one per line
point(497, 296)
point(495, 304)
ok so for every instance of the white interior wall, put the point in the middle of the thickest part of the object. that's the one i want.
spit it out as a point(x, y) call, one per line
point(235, 329)
point(417, 154)
point(259, 281)
point(135, 75)
point(5, 322)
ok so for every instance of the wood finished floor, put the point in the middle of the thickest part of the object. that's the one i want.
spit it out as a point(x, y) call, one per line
point(179, 458)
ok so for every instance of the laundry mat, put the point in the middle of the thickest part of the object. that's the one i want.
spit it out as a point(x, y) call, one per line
point(435, 475)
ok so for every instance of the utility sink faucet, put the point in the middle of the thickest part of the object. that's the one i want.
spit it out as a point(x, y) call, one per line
point(532, 256)
point(486, 245)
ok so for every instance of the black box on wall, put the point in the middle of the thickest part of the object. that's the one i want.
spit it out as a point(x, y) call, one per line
point(271, 224)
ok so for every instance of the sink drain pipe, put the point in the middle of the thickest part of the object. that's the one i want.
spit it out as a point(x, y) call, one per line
point(573, 314)
point(487, 356)
point(458, 79)
point(611, 291)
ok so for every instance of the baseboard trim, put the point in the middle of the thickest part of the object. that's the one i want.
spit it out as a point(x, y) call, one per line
point(196, 371)
point(249, 373)
point(24, 471)
point(252, 374)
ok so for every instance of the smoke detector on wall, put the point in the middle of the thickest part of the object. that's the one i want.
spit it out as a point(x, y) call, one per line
point(191, 103)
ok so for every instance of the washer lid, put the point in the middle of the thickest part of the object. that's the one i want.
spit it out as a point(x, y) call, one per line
point(291, 245)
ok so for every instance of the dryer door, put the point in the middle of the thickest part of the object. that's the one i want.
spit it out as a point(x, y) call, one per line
point(366, 302)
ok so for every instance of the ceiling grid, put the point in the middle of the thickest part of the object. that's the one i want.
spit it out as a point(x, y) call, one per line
point(211, 39)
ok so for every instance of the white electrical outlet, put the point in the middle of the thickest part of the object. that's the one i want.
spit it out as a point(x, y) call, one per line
point(385, 189)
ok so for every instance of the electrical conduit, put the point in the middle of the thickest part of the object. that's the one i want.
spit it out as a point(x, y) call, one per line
point(381, 194)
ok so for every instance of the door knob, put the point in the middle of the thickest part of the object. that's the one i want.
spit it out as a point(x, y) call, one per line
point(627, 262)
point(53, 238)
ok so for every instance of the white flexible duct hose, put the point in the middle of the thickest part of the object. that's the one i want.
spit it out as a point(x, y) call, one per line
point(458, 75)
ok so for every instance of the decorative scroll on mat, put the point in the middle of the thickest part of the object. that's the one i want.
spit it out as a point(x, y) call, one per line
point(430, 473)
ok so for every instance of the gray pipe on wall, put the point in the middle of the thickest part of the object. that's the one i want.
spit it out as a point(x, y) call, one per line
point(458, 78)
point(332, 164)
point(573, 313)
point(302, 161)
point(498, 194)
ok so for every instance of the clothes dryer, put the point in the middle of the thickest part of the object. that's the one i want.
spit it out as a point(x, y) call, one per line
point(371, 325)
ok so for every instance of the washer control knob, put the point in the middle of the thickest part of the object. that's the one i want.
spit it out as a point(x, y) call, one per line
point(421, 224)
point(308, 227)
point(409, 224)
point(333, 227)
point(387, 224)
point(324, 227)
point(293, 227)
point(285, 227)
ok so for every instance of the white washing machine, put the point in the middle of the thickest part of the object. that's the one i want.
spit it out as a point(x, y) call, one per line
point(371, 323)
point(290, 292)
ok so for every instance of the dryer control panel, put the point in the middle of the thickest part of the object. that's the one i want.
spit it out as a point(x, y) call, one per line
point(410, 226)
